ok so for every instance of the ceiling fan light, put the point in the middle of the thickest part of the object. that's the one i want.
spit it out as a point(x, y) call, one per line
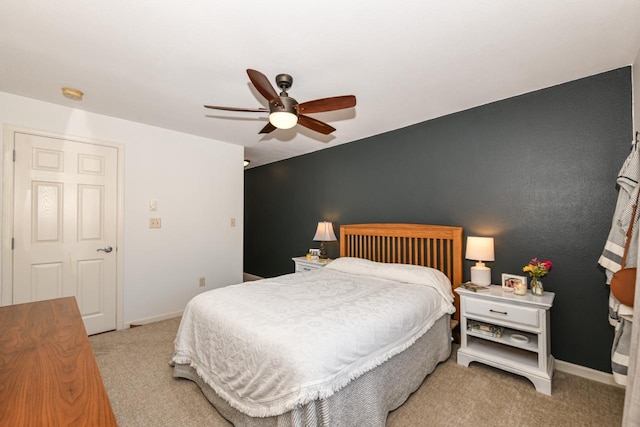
point(283, 119)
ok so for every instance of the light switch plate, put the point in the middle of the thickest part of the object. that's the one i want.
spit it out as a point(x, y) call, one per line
point(153, 205)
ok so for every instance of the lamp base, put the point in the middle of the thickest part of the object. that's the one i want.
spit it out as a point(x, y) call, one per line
point(323, 251)
point(481, 275)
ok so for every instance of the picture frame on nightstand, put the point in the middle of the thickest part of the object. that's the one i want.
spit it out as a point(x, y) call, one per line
point(509, 281)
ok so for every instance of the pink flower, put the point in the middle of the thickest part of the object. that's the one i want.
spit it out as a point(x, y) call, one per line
point(547, 264)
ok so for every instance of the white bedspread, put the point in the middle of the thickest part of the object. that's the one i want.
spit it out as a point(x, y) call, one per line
point(270, 345)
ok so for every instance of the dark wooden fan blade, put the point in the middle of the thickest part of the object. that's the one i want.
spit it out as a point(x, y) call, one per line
point(261, 83)
point(251, 110)
point(313, 124)
point(327, 104)
point(268, 128)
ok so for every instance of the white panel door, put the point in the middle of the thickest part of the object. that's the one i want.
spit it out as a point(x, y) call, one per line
point(65, 215)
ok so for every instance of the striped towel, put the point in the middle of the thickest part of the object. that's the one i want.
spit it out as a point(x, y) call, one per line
point(621, 316)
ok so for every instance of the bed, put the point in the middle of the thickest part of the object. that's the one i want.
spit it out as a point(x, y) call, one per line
point(341, 345)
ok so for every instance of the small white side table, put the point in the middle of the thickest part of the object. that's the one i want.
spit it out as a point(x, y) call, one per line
point(304, 264)
point(525, 346)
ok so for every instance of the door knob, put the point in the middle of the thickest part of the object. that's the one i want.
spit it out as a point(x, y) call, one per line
point(107, 249)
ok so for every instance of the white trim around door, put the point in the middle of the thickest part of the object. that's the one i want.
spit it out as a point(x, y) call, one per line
point(6, 286)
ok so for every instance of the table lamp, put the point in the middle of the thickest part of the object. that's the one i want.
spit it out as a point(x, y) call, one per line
point(480, 249)
point(324, 233)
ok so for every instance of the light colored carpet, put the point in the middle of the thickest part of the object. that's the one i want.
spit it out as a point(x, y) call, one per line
point(135, 370)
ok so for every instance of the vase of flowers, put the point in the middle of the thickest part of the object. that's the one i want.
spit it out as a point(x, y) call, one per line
point(536, 270)
point(536, 286)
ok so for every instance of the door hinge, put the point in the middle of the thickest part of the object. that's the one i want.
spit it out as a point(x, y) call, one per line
point(14, 156)
point(13, 241)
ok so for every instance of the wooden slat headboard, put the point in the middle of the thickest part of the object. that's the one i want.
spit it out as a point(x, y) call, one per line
point(435, 246)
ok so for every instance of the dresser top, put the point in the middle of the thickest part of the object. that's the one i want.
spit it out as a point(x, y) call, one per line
point(49, 374)
point(303, 259)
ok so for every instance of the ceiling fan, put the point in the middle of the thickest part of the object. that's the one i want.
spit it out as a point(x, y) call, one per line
point(284, 111)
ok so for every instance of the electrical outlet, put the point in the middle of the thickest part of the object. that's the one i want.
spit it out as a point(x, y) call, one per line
point(201, 281)
point(155, 223)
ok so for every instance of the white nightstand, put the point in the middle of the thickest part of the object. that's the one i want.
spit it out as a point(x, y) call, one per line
point(525, 345)
point(304, 264)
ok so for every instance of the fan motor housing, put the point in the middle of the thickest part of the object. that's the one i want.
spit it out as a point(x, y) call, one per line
point(289, 106)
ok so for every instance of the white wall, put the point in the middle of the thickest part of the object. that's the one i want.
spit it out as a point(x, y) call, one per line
point(198, 184)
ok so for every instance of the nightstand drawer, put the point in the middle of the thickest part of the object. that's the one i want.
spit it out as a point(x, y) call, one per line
point(504, 312)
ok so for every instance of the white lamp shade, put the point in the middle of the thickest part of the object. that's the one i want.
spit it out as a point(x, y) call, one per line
point(283, 119)
point(324, 232)
point(480, 248)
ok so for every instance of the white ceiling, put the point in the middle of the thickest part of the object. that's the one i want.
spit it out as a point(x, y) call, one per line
point(158, 62)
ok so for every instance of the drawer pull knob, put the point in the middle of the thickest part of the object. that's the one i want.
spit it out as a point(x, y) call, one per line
point(496, 311)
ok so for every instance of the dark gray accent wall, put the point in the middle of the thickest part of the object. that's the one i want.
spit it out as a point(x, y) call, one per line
point(537, 172)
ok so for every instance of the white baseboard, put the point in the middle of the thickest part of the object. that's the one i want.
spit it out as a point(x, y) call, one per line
point(584, 372)
point(153, 319)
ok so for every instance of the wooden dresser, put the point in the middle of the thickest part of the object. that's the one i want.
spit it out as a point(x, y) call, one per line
point(48, 373)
